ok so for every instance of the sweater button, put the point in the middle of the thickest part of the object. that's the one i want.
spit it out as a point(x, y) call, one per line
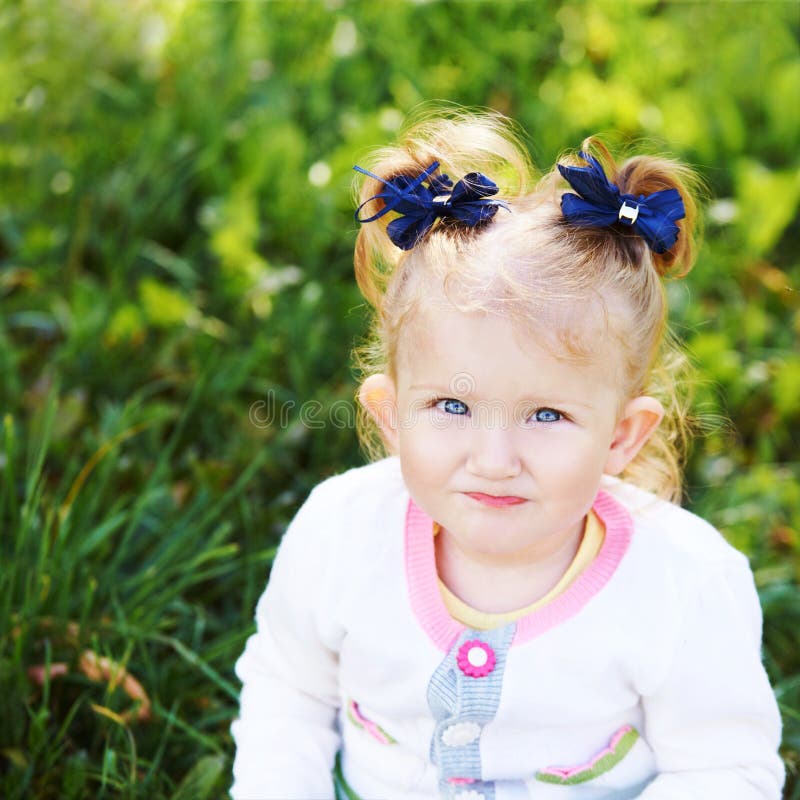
point(460, 734)
point(476, 659)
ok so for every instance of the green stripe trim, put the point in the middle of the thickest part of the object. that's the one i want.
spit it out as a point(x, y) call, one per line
point(602, 765)
point(359, 724)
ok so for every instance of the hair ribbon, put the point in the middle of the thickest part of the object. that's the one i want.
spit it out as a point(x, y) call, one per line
point(419, 205)
point(599, 203)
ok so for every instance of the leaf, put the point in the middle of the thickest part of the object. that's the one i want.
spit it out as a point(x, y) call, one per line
point(768, 201)
point(786, 387)
point(201, 779)
point(165, 307)
point(104, 711)
point(715, 355)
point(127, 325)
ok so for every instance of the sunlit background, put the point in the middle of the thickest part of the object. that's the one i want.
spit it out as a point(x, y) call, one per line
point(178, 310)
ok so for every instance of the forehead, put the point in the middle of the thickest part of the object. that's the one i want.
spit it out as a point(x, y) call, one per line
point(485, 350)
point(576, 326)
point(522, 278)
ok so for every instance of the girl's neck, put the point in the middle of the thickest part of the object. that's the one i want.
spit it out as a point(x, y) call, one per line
point(495, 586)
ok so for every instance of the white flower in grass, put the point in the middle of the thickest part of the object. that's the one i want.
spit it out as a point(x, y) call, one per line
point(460, 734)
point(319, 174)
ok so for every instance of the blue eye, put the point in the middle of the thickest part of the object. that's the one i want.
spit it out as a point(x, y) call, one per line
point(547, 415)
point(450, 406)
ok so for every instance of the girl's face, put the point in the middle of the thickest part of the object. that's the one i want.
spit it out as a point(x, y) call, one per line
point(500, 442)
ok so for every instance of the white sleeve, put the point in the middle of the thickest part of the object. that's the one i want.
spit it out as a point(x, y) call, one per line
point(712, 720)
point(286, 736)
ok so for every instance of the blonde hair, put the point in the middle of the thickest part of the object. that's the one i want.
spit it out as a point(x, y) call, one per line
point(551, 274)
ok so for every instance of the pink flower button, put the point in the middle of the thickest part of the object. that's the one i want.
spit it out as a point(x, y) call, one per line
point(476, 659)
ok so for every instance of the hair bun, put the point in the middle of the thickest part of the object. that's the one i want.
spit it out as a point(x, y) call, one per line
point(645, 175)
point(649, 196)
point(463, 144)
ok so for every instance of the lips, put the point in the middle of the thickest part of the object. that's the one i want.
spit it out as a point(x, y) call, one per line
point(496, 501)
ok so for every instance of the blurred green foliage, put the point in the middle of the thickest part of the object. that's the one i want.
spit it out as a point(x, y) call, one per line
point(176, 240)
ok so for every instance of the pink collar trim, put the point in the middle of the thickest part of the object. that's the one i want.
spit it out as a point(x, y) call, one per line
point(429, 608)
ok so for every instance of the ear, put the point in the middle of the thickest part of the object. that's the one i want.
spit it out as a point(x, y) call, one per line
point(378, 396)
point(640, 417)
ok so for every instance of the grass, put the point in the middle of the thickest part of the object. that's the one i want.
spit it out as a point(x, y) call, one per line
point(119, 625)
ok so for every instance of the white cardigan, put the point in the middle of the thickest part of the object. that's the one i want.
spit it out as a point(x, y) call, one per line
point(642, 680)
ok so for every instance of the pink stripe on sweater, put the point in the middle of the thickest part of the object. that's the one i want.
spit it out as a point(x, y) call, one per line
point(430, 610)
point(423, 586)
point(568, 772)
point(369, 726)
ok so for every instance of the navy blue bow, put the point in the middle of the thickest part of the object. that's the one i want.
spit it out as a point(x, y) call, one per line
point(599, 203)
point(419, 205)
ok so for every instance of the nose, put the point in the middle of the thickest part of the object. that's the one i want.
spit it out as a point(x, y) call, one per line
point(493, 454)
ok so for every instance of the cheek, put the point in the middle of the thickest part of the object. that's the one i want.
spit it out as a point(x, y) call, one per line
point(421, 474)
point(571, 455)
point(426, 452)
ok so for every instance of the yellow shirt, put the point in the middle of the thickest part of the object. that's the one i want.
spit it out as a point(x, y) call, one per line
point(591, 542)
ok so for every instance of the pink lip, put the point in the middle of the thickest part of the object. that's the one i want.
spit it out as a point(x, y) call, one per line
point(494, 500)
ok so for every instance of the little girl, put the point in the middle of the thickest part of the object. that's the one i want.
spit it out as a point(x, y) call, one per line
point(507, 607)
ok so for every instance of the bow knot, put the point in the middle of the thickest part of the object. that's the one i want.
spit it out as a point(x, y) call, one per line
point(419, 205)
point(600, 203)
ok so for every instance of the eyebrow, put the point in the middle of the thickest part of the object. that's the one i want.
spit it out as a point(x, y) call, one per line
point(546, 402)
point(431, 387)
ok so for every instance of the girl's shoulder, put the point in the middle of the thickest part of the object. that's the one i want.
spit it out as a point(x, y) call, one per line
point(669, 532)
point(361, 487)
point(339, 519)
point(355, 500)
point(681, 576)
